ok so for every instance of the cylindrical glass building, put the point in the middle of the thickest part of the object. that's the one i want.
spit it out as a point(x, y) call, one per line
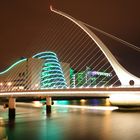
point(52, 75)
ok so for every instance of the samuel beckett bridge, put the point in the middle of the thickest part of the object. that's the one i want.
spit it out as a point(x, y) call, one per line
point(70, 61)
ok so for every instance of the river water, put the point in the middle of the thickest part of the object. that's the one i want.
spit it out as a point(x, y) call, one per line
point(70, 120)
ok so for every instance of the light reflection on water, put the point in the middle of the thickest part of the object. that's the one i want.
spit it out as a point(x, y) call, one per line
point(69, 123)
point(3, 135)
point(90, 102)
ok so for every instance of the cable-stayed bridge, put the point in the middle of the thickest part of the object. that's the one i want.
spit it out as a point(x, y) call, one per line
point(74, 62)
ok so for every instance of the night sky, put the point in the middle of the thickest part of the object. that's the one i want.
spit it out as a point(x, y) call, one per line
point(22, 21)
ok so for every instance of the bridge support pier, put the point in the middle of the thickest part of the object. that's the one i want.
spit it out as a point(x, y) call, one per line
point(12, 110)
point(48, 105)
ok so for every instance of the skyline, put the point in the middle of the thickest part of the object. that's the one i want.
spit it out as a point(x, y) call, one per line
point(22, 23)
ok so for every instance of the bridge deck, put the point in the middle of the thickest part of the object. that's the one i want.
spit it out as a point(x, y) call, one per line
point(75, 92)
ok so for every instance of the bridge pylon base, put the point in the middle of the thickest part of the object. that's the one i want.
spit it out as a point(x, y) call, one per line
point(48, 109)
point(48, 105)
point(12, 113)
point(12, 110)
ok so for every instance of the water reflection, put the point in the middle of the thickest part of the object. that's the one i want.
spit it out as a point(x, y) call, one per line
point(96, 104)
point(106, 127)
point(89, 102)
point(11, 123)
point(3, 135)
point(70, 120)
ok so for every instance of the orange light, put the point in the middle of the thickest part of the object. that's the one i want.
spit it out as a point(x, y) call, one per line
point(1, 84)
point(9, 83)
point(37, 104)
point(36, 85)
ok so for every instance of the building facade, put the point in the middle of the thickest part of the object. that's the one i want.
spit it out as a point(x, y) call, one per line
point(42, 71)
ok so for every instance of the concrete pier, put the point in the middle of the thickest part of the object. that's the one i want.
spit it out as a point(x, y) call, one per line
point(48, 105)
point(12, 108)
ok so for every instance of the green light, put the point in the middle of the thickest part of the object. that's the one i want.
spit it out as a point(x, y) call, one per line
point(18, 62)
point(52, 63)
point(59, 84)
point(64, 102)
point(60, 78)
point(41, 53)
point(52, 75)
point(45, 72)
point(45, 68)
point(49, 56)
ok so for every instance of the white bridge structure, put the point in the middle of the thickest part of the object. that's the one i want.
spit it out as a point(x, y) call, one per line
point(124, 76)
point(128, 93)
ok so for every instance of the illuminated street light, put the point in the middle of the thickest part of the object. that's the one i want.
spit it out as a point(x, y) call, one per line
point(36, 85)
point(9, 83)
point(1, 84)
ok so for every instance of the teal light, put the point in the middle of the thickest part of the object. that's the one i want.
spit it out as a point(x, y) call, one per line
point(49, 56)
point(52, 67)
point(42, 53)
point(45, 68)
point(63, 102)
point(53, 84)
point(44, 72)
point(12, 66)
point(53, 63)
point(49, 79)
point(52, 75)
point(43, 76)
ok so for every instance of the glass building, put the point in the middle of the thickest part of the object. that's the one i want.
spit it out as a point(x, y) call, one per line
point(52, 75)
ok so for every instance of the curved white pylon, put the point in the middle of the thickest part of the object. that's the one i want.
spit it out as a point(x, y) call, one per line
point(124, 76)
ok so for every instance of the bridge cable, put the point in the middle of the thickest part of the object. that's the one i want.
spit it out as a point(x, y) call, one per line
point(114, 37)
